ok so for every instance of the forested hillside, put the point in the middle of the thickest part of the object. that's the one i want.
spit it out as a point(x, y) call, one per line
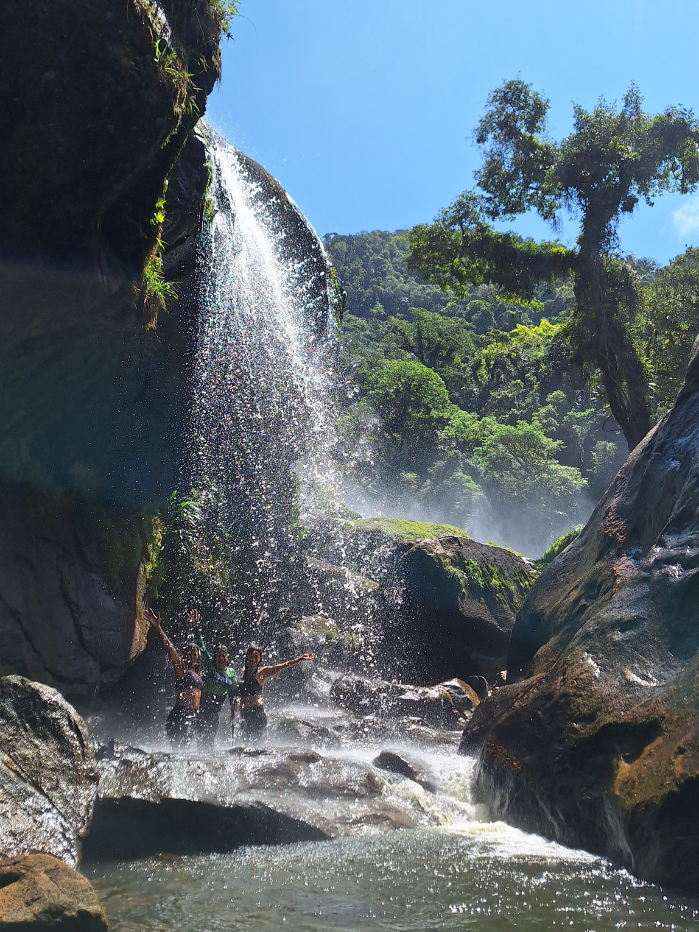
point(468, 409)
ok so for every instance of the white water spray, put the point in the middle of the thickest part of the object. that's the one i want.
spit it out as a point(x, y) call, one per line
point(262, 417)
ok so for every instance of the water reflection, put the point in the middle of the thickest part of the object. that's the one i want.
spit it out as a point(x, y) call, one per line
point(419, 879)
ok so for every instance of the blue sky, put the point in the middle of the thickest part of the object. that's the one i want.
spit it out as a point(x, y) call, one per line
point(364, 110)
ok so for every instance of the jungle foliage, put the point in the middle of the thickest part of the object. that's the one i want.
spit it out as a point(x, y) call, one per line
point(464, 404)
point(614, 158)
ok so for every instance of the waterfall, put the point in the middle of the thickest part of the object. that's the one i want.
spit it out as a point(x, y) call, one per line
point(262, 419)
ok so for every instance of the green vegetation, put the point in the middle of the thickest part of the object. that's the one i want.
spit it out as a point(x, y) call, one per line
point(666, 326)
point(156, 290)
point(612, 160)
point(490, 380)
point(409, 530)
point(225, 10)
point(557, 546)
point(467, 405)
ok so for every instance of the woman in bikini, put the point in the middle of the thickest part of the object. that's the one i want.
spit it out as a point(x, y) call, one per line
point(180, 723)
point(252, 714)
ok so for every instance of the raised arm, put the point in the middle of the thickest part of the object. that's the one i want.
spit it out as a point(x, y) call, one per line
point(195, 625)
point(266, 673)
point(154, 620)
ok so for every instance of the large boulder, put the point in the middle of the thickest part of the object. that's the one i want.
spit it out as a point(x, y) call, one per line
point(441, 605)
point(41, 892)
point(48, 772)
point(597, 745)
point(459, 604)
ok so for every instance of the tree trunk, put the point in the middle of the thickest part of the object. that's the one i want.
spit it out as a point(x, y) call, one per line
point(601, 338)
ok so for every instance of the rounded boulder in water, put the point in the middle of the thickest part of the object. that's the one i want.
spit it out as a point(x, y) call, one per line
point(48, 772)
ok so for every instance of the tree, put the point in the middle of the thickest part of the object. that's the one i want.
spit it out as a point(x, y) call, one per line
point(411, 399)
point(667, 325)
point(612, 160)
point(437, 341)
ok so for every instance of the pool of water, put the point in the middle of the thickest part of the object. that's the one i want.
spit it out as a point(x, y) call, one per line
point(488, 876)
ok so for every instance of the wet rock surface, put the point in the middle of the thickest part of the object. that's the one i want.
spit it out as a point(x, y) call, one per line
point(597, 745)
point(395, 763)
point(443, 705)
point(48, 772)
point(176, 803)
point(40, 892)
point(460, 602)
point(60, 623)
point(317, 776)
point(445, 606)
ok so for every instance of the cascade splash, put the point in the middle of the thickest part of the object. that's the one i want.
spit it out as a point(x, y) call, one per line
point(262, 419)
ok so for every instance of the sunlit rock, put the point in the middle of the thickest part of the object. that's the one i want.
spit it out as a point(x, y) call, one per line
point(40, 892)
point(48, 772)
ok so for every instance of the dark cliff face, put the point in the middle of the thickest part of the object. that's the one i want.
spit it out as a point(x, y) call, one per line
point(98, 99)
point(99, 105)
point(598, 742)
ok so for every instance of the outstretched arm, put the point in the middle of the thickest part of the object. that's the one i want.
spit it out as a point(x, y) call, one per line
point(154, 620)
point(195, 625)
point(265, 673)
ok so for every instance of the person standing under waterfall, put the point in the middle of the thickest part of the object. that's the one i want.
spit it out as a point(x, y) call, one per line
point(220, 681)
point(181, 721)
point(253, 718)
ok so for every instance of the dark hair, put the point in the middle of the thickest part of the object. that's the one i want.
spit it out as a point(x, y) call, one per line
point(221, 649)
point(253, 649)
point(192, 648)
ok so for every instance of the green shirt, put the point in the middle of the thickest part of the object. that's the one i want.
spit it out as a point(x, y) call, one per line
point(219, 683)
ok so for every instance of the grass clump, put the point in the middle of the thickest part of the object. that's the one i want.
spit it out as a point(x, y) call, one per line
point(156, 290)
point(410, 530)
point(557, 546)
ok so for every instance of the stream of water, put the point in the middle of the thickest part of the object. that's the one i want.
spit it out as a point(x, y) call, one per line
point(452, 867)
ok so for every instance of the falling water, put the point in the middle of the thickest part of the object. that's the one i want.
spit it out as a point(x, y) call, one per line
point(262, 418)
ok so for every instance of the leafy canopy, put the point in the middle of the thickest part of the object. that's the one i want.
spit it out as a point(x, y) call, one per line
point(410, 398)
point(612, 160)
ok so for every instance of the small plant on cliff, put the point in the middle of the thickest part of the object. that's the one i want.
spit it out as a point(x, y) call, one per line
point(557, 546)
point(156, 290)
point(208, 206)
point(224, 11)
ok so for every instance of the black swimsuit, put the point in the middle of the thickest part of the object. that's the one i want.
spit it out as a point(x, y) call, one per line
point(250, 686)
point(253, 720)
point(180, 722)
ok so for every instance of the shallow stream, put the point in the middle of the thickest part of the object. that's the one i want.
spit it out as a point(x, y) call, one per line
point(451, 867)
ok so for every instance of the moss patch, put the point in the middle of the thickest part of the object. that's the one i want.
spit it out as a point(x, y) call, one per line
point(557, 546)
point(410, 530)
point(487, 582)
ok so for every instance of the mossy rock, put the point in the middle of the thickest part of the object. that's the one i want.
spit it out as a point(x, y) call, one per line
point(403, 529)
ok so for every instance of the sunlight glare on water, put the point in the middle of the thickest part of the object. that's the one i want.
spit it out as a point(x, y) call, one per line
point(408, 880)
